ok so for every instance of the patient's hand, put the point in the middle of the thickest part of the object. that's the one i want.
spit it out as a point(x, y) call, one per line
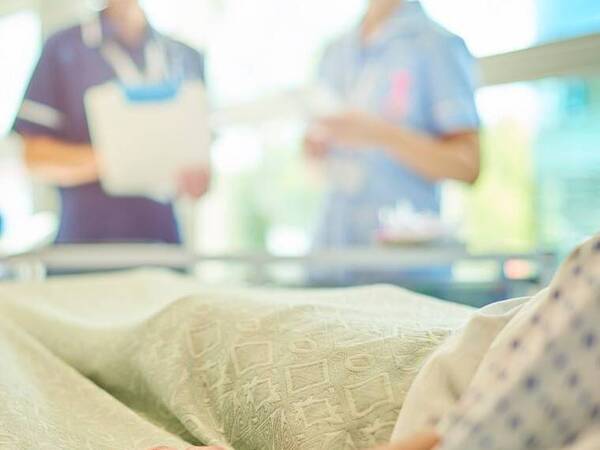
point(421, 441)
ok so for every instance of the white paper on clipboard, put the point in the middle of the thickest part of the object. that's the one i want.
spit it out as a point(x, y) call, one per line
point(143, 146)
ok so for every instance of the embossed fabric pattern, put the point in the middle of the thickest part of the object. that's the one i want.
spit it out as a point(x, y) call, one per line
point(135, 360)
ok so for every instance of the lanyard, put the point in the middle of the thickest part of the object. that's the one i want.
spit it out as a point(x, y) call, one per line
point(126, 70)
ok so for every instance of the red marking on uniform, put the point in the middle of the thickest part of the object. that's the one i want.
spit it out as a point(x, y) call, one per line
point(400, 93)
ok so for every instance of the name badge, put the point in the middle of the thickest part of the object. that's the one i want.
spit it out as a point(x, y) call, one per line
point(399, 98)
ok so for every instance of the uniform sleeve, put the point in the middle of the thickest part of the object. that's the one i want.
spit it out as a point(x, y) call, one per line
point(199, 68)
point(452, 74)
point(187, 61)
point(42, 112)
point(538, 389)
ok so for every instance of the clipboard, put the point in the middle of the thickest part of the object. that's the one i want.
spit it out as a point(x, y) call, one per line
point(146, 135)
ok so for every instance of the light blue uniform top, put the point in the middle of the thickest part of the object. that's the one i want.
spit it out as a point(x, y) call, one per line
point(414, 74)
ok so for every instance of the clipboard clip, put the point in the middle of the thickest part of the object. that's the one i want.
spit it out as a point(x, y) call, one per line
point(152, 93)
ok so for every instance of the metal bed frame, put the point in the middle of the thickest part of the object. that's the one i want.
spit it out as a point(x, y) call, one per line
point(39, 264)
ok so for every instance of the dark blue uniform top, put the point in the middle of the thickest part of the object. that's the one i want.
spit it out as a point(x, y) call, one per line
point(70, 64)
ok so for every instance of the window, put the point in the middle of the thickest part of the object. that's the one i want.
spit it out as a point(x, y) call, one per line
point(498, 26)
point(560, 19)
point(484, 23)
point(20, 44)
point(20, 40)
point(538, 136)
point(541, 166)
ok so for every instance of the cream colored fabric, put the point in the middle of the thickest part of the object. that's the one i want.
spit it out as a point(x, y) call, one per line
point(45, 404)
point(133, 360)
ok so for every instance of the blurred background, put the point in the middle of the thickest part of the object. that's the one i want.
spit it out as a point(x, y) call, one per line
point(540, 185)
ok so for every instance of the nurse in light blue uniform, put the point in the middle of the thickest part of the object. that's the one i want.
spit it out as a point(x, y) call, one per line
point(411, 120)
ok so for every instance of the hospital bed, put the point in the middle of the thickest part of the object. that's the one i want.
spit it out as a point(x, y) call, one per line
point(141, 358)
point(133, 360)
point(508, 274)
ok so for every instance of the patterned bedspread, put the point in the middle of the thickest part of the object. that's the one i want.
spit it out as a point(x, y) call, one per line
point(130, 361)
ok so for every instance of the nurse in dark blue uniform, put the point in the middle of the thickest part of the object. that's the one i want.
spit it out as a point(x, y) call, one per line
point(52, 122)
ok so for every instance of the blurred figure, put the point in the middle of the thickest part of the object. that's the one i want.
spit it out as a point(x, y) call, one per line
point(52, 122)
point(411, 120)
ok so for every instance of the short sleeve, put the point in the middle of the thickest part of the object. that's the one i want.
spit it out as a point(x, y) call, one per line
point(187, 61)
point(41, 111)
point(452, 74)
point(198, 68)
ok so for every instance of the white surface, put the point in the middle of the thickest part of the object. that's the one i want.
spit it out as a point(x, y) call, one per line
point(143, 146)
point(21, 28)
point(35, 231)
point(403, 225)
point(305, 103)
